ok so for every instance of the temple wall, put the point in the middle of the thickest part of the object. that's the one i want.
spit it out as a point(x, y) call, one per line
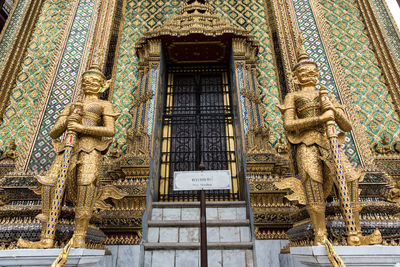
point(31, 77)
point(362, 70)
point(7, 37)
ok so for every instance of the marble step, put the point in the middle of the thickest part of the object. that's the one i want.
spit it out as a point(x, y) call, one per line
point(180, 235)
point(194, 204)
point(196, 223)
point(196, 245)
point(191, 258)
point(190, 213)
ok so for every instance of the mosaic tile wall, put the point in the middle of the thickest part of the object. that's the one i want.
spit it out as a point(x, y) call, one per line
point(315, 50)
point(140, 17)
point(250, 15)
point(361, 68)
point(9, 32)
point(394, 38)
point(62, 91)
point(31, 77)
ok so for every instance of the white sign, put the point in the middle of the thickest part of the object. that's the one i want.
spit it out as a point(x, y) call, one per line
point(202, 180)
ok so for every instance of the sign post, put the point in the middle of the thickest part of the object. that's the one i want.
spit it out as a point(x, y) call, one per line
point(203, 180)
point(203, 229)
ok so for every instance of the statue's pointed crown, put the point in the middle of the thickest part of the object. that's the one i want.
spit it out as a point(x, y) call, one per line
point(95, 70)
point(302, 56)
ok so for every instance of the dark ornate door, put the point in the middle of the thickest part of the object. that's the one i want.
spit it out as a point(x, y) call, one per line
point(197, 127)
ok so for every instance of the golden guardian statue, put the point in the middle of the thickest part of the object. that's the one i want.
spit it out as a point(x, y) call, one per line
point(310, 117)
point(77, 165)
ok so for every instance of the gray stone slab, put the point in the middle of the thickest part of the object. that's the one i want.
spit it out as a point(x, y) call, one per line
point(114, 254)
point(227, 214)
point(212, 213)
point(233, 258)
point(153, 234)
point(45, 257)
point(287, 260)
point(352, 256)
point(187, 258)
point(168, 234)
point(229, 234)
point(249, 258)
point(267, 252)
point(241, 213)
point(163, 258)
point(214, 258)
point(213, 234)
point(128, 256)
point(156, 214)
point(106, 261)
point(188, 234)
point(190, 214)
point(171, 214)
point(147, 258)
point(244, 234)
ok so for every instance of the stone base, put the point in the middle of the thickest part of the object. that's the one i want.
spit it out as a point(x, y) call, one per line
point(360, 256)
point(46, 257)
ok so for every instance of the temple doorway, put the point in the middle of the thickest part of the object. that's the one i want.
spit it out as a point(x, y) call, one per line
point(197, 128)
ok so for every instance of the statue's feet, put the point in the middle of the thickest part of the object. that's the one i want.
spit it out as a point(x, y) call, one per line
point(320, 237)
point(78, 241)
point(353, 239)
point(45, 243)
point(372, 239)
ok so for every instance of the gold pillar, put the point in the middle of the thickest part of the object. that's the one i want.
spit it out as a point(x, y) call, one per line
point(102, 34)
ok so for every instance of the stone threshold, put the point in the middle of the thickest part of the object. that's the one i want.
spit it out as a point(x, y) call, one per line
point(190, 223)
point(196, 246)
point(219, 204)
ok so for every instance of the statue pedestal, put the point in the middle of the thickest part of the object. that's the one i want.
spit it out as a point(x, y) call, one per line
point(360, 256)
point(45, 257)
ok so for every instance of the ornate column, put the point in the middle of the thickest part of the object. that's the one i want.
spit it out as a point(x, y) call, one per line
point(70, 60)
point(14, 40)
point(385, 38)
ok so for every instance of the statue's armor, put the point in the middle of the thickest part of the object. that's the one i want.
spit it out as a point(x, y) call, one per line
point(313, 144)
point(91, 147)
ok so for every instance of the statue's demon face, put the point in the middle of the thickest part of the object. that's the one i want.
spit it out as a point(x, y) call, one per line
point(306, 74)
point(92, 84)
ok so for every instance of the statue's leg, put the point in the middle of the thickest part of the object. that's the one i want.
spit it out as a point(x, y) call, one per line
point(47, 182)
point(83, 213)
point(375, 237)
point(352, 187)
point(316, 209)
point(311, 173)
point(47, 193)
point(87, 177)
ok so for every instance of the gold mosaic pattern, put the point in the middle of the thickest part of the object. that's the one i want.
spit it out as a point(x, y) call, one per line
point(361, 68)
point(31, 77)
point(145, 15)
